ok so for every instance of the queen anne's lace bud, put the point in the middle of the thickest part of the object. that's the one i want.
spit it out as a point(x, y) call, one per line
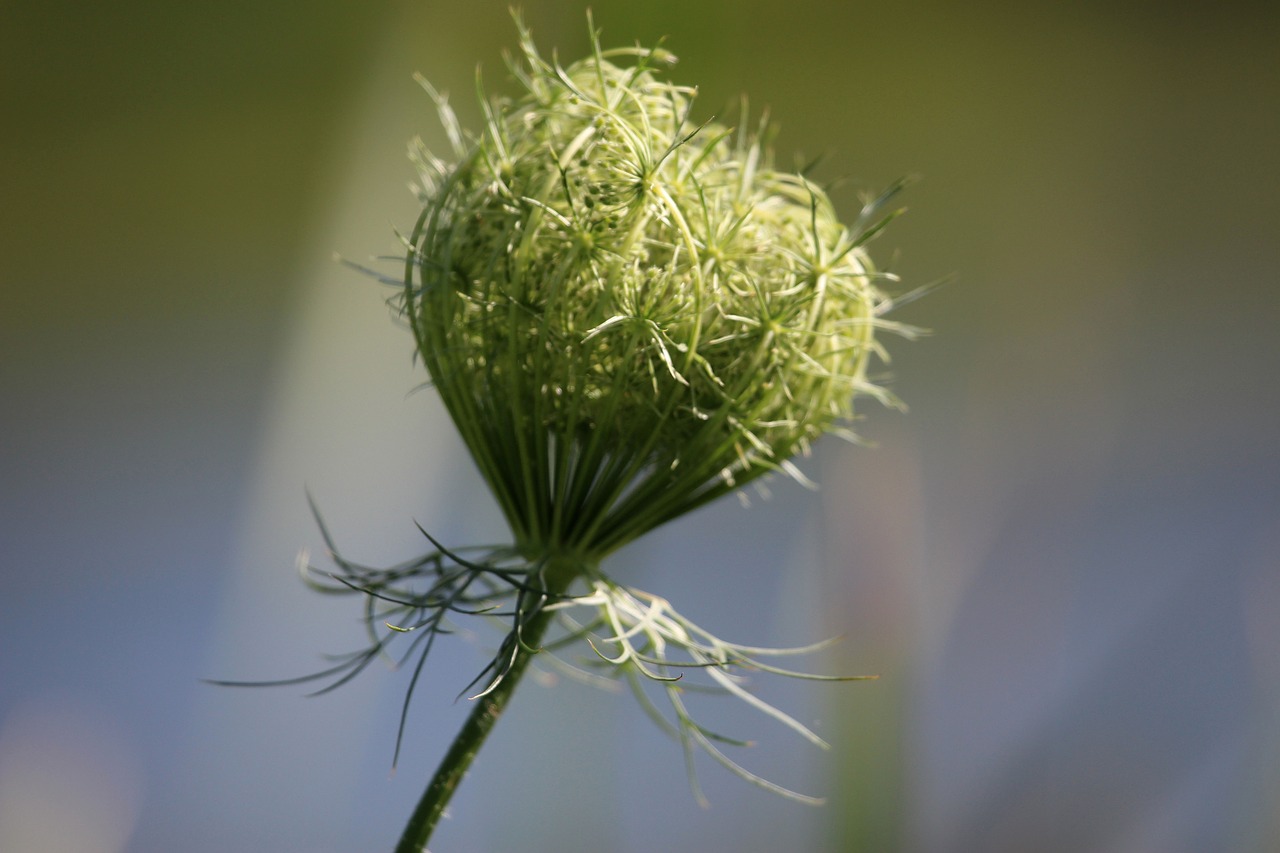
point(627, 314)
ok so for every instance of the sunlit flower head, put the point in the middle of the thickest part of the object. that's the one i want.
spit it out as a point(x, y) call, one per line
point(628, 313)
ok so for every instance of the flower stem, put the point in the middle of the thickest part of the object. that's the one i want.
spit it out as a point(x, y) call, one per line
point(453, 767)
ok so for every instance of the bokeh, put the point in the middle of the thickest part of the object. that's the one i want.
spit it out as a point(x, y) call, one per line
point(1063, 561)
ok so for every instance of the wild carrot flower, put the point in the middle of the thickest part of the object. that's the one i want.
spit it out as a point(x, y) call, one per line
point(627, 314)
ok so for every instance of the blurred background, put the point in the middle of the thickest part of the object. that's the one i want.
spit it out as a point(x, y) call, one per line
point(1064, 562)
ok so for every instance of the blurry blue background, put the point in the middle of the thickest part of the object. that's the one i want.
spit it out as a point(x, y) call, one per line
point(1064, 562)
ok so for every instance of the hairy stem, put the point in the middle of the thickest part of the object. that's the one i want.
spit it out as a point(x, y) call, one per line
point(482, 719)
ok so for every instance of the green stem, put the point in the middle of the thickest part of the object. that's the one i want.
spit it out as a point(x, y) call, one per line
point(481, 720)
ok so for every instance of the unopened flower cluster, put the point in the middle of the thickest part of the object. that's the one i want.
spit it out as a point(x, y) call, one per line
point(628, 313)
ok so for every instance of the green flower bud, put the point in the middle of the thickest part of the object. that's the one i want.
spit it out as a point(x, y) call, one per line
point(626, 314)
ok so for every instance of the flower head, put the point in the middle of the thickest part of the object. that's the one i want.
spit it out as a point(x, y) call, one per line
point(628, 314)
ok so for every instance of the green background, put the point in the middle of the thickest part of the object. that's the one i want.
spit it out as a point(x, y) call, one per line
point(1064, 562)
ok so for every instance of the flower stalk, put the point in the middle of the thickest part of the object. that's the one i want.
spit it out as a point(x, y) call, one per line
point(488, 708)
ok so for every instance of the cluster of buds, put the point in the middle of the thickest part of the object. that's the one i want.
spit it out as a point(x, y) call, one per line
point(628, 315)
